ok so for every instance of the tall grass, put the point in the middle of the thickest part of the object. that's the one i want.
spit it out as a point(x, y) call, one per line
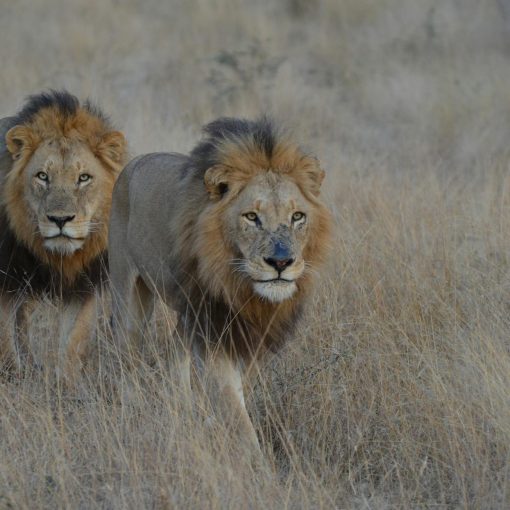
point(394, 391)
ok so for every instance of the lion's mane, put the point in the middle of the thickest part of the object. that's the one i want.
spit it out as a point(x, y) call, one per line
point(24, 262)
point(244, 149)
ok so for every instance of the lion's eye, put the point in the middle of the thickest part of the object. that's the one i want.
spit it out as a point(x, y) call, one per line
point(42, 176)
point(84, 178)
point(251, 216)
point(297, 216)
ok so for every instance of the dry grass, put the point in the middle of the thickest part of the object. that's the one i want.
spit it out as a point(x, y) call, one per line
point(394, 392)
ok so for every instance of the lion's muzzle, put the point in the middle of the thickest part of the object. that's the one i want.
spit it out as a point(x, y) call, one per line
point(274, 277)
point(281, 258)
point(62, 233)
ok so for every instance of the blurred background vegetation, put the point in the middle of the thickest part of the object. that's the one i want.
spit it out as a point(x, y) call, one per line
point(388, 77)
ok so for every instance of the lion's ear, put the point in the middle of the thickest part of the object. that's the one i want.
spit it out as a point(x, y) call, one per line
point(216, 182)
point(19, 139)
point(112, 148)
point(315, 176)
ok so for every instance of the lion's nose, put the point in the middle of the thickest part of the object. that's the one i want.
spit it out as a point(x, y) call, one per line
point(60, 221)
point(279, 263)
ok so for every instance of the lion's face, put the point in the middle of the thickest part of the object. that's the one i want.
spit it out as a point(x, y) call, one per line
point(57, 193)
point(265, 230)
point(269, 228)
point(64, 189)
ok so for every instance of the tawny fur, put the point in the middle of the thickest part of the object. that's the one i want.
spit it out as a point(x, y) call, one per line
point(55, 125)
point(178, 230)
point(240, 160)
point(51, 124)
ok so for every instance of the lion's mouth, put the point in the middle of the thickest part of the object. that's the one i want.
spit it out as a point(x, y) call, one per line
point(64, 236)
point(275, 290)
point(274, 280)
point(63, 243)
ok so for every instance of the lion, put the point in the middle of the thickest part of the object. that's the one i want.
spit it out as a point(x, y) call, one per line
point(231, 237)
point(59, 160)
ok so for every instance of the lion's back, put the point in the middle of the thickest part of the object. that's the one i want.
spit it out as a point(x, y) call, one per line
point(150, 185)
point(155, 175)
point(148, 209)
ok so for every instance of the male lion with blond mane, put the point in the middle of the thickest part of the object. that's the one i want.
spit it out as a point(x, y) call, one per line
point(59, 160)
point(230, 237)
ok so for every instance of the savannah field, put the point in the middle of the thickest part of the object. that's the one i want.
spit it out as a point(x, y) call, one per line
point(395, 391)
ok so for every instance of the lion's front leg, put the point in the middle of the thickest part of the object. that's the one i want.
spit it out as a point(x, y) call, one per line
point(7, 335)
point(82, 316)
point(222, 381)
point(15, 352)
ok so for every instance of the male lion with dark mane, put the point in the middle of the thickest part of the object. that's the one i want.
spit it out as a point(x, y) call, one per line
point(230, 237)
point(59, 160)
